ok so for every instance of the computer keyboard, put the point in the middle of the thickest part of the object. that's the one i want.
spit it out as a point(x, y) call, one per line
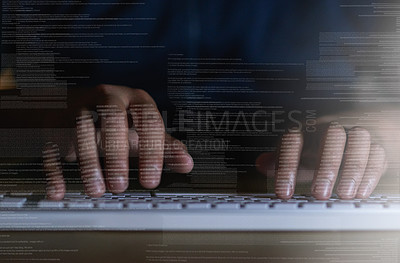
point(154, 211)
point(147, 201)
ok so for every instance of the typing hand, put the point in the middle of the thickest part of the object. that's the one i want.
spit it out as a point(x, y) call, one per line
point(359, 161)
point(116, 107)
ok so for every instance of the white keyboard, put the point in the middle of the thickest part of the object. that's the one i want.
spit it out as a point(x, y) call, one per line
point(162, 211)
point(127, 201)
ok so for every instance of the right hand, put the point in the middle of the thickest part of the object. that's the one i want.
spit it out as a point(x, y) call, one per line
point(359, 161)
point(147, 140)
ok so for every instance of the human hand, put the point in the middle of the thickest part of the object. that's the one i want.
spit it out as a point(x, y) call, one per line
point(116, 107)
point(361, 163)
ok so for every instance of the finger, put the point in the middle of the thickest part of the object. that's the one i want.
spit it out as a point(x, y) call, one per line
point(88, 156)
point(55, 189)
point(150, 128)
point(176, 156)
point(114, 133)
point(373, 172)
point(330, 159)
point(133, 139)
point(355, 161)
point(288, 162)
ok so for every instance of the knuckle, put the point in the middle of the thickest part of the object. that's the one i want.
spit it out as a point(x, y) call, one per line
point(141, 93)
point(143, 96)
point(104, 89)
point(110, 95)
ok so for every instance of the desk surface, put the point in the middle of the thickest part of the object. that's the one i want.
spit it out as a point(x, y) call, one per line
point(246, 247)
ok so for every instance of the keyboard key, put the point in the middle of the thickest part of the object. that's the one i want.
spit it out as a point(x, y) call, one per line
point(296, 201)
point(261, 206)
point(285, 206)
point(191, 201)
point(198, 206)
point(269, 201)
point(132, 199)
point(260, 199)
point(138, 194)
point(141, 205)
point(12, 202)
point(107, 197)
point(322, 201)
point(300, 197)
point(74, 197)
point(314, 206)
point(234, 199)
point(371, 206)
point(393, 197)
point(349, 201)
point(110, 205)
point(119, 196)
point(155, 199)
point(169, 206)
point(181, 199)
point(50, 204)
point(169, 195)
point(368, 201)
point(80, 205)
point(343, 206)
point(135, 201)
point(207, 199)
point(21, 194)
point(227, 206)
point(272, 196)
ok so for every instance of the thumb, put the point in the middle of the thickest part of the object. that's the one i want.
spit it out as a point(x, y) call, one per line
point(265, 163)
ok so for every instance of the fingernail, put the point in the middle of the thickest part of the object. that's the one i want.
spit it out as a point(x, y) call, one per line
point(189, 159)
point(53, 193)
point(364, 191)
point(117, 184)
point(95, 191)
point(149, 183)
point(284, 190)
point(321, 192)
point(346, 189)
